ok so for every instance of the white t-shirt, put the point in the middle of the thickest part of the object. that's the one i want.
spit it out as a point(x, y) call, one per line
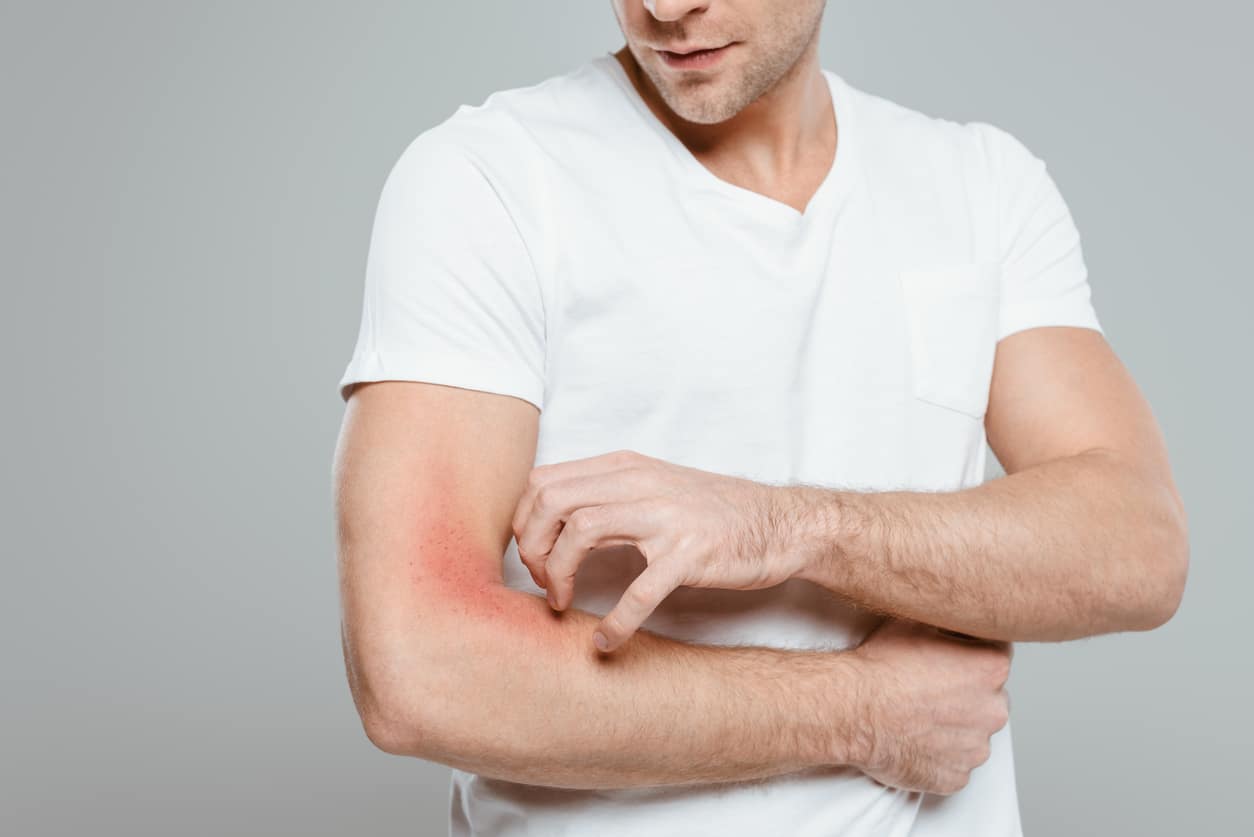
point(559, 244)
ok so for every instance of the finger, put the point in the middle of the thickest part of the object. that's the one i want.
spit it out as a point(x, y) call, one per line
point(557, 501)
point(999, 645)
point(535, 576)
point(542, 475)
point(658, 580)
point(959, 635)
point(587, 529)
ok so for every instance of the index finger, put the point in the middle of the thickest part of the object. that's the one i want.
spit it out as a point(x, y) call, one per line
point(541, 475)
point(640, 599)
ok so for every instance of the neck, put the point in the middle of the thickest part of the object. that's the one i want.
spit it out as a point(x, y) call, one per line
point(772, 133)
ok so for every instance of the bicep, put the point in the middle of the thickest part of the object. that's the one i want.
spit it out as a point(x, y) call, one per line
point(426, 480)
point(1060, 391)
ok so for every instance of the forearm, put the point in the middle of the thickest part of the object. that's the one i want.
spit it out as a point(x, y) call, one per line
point(1074, 547)
point(503, 687)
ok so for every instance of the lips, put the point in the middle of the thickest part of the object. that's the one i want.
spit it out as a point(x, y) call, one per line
point(692, 49)
point(693, 58)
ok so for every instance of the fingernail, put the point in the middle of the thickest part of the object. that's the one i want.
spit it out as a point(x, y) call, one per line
point(601, 642)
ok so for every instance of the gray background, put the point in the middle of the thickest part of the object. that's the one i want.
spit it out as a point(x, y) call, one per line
point(187, 196)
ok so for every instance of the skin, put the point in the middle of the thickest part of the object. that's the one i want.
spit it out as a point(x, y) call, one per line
point(1077, 439)
point(761, 119)
point(448, 664)
point(1086, 534)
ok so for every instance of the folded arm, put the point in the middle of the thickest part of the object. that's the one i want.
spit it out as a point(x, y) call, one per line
point(1085, 535)
point(448, 664)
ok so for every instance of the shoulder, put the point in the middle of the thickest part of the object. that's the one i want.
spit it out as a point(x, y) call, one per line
point(512, 131)
point(906, 137)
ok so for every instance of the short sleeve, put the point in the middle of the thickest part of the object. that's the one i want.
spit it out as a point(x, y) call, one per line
point(451, 294)
point(1044, 277)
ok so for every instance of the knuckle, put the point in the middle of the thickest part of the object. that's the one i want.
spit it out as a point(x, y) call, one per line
point(544, 498)
point(613, 625)
point(584, 521)
point(640, 594)
point(950, 782)
point(537, 476)
point(1001, 714)
point(557, 571)
point(527, 558)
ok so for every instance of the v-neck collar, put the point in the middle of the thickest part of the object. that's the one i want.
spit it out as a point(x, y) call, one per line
point(833, 184)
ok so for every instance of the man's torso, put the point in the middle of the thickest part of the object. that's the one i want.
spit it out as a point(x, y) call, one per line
point(699, 322)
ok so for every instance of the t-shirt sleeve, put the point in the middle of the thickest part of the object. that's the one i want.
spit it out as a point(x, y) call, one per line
point(1044, 277)
point(451, 293)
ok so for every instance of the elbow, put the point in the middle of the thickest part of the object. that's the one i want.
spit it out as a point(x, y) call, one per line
point(384, 705)
point(1165, 570)
point(390, 731)
point(411, 686)
point(1173, 573)
point(391, 738)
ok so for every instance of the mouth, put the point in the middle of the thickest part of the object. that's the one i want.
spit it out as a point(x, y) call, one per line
point(694, 58)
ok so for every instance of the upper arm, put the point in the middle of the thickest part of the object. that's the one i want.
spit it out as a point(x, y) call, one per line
point(1061, 391)
point(426, 479)
point(446, 381)
point(1057, 387)
point(444, 390)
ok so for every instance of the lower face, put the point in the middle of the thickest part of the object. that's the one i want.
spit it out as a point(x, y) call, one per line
point(770, 37)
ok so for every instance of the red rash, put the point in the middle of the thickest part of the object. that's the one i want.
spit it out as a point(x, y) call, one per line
point(461, 567)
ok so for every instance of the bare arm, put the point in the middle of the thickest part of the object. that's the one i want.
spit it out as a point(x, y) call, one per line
point(448, 664)
point(1086, 534)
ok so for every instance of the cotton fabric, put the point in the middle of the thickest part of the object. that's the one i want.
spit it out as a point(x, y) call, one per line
point(558, 244)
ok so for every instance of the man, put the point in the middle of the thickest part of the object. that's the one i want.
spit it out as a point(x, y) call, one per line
point(704, 344)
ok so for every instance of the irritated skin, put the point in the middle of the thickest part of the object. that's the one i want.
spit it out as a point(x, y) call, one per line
point(447, 663)
point(450, 558)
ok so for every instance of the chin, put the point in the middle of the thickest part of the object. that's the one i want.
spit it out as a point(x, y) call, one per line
point(704, 111)
point(705, 105)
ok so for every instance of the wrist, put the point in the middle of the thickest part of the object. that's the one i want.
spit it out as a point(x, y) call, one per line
point(851, 738)
point(812, 523)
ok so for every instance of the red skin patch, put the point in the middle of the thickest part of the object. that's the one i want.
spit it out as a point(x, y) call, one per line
point(455, 565)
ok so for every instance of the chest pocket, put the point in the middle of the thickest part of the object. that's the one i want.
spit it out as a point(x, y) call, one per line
point(952, 317)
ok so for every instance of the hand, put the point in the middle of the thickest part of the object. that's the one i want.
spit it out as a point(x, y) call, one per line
point(693, 527)
point(932, 702)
